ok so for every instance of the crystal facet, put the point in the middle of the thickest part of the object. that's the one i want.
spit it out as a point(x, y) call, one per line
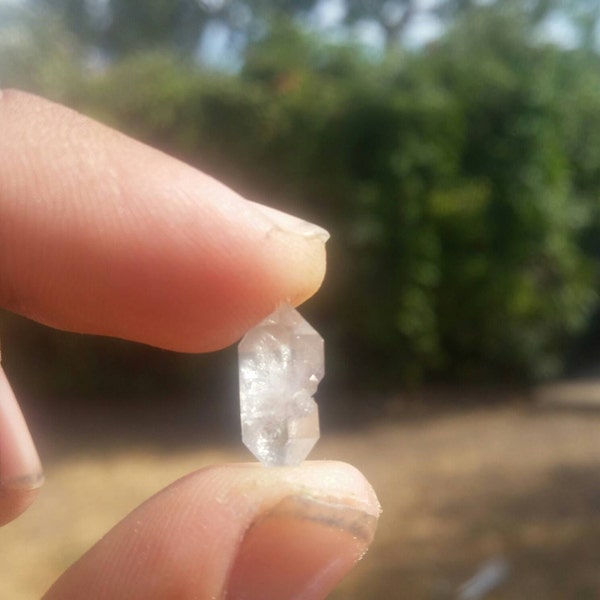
point(281, 362)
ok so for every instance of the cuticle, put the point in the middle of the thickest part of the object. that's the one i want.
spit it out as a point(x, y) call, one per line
point(329, 512)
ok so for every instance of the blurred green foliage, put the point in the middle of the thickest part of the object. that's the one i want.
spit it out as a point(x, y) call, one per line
point(460, 182)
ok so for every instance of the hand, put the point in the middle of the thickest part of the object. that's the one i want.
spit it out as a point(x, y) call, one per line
point(100, 234)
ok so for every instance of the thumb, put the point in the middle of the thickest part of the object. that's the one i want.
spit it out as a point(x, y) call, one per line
point(234, 532)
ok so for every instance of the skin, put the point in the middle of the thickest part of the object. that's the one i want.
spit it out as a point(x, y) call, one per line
point(100, 234)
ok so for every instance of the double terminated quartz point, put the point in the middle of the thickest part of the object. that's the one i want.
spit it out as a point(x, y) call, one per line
point(281, 362)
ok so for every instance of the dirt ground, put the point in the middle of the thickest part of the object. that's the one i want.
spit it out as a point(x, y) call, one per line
point(515, 484)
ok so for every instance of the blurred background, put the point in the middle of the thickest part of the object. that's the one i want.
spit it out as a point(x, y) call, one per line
point(452, 148)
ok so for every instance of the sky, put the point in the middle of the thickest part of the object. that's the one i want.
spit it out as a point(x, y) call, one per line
point(328, 17)
point(425, 28)
point(216, 49)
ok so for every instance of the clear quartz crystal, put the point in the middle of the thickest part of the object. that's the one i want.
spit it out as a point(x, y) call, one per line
point(281, 362)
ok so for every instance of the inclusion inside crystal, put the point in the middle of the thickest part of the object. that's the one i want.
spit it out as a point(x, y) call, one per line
point(281, 362)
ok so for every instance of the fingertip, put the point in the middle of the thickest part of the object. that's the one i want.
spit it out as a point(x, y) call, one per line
point(299, 549)
point(20, 468)
point(306, 542)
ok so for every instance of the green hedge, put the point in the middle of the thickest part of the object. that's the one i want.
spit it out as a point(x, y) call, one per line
point(460, 185)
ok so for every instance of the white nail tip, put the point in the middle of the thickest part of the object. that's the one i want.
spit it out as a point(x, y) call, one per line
point(291, 224)
point(25, 483)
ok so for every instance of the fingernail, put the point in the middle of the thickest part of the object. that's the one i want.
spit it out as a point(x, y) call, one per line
point(291, 224)
point(300, 549)
point(20, 467)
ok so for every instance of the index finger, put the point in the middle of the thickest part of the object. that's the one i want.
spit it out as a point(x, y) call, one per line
point(101, 234)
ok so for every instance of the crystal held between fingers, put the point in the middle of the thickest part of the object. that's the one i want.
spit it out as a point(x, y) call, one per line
point(281, 362)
